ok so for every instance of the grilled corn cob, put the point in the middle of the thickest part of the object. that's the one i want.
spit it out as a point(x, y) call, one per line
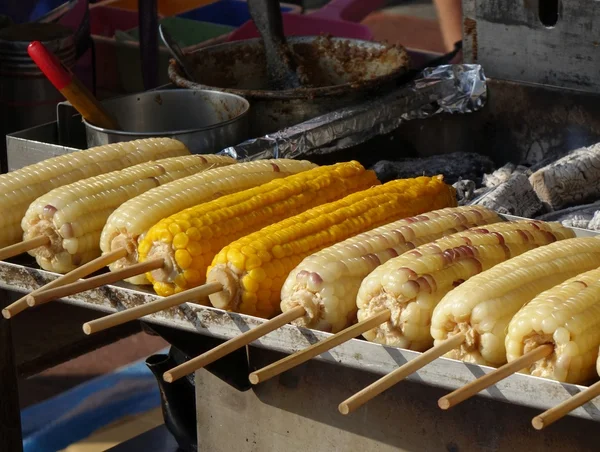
point(411, 285)
point(188, 240)
point(72, 216)
point(130, 222)
point(567, 317)
point(326, 283)
point(253, 269)
point(18, 189)
point(482, 307)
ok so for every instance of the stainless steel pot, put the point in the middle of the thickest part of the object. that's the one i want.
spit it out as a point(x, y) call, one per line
point(346, 71)
point(205, 121)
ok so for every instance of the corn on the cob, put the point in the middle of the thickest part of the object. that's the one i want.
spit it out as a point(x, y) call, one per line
point(130, 222)
point(72, 216)
point(411, 285)
point(326, 283)
point(253, 269)
point(188, 240)
point(567, 317)
point(18, 189)
point(482, 307)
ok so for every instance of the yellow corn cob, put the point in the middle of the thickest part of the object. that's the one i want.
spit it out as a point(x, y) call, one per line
point(130, 222)
point(253, 269)
point(567, 317)
point(72, 216)
point(18, 189)
point(326, 283)
point(483, 306)
point(188, 240)
point(411, 285)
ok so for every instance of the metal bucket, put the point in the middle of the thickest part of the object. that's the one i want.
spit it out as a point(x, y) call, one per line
point(27, 98)
point(347, 71)
point(205, 121)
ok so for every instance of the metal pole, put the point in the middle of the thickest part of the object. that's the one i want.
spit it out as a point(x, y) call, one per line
point(148, 23)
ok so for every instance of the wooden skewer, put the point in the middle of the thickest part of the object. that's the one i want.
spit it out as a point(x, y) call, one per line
point(233, 344)
point(476, 386)
point(23, 247)
point(118, 318)
point(562, 409)
point(320, 347)
point(92, 283)
point(81, 272)
point(360, 398)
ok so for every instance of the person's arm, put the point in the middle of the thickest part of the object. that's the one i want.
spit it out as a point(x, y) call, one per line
point(450, 17)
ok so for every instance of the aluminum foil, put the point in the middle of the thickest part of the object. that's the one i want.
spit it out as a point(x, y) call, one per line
point(444, 89)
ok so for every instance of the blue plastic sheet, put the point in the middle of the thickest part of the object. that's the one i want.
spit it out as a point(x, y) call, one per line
point(73, 415)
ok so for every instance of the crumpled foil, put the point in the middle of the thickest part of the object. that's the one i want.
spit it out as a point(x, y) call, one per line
point(456, 88)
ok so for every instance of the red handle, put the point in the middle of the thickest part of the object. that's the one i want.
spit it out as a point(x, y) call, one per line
point(50, 65)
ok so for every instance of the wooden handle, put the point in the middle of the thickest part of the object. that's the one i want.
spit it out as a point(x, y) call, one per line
point(91, 283)
point(476, 386)
point(23, 247)
point(320, 347)
point(562, 409)
point(362, 397)
point(118, 318)
point(80, 272)
point(233, 344)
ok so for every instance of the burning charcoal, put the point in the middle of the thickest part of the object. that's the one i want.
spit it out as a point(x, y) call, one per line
point(573, 179)
point(576, 217)
point(455, 166)
point(503, 174)
point(465, 190)
point(513, 197)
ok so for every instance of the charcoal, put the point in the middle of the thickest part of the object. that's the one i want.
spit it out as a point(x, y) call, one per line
point(503, 174)
point(576, 217)
point(513, 197)
point(571, 180)
point(454, 167)
point(465, 190)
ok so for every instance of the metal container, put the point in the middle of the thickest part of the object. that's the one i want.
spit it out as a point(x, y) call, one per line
point(27, 98)
point(344, 71)
point(205, 121)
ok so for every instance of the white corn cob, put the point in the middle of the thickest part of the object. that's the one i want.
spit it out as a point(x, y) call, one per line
point(482, 307)
point(128, 224)
point(72, 216)
point(18, 189)
point(567, 317)
point(326, 283)
point(411, 285)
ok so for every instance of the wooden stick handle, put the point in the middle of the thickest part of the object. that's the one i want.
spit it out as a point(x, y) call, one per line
point(23, 247)
point(92, 283)
point(476, 386)
point(562, 409)
point(320, 347)
point(373, 390)
point(233, 344)
point(80, 272)
point(118, 318)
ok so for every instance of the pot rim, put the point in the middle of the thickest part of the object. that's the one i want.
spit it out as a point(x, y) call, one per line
point(218, 125)
point(176, 74)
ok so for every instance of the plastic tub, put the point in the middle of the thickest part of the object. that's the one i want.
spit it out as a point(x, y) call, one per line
point(229, 12)
point(165, 7)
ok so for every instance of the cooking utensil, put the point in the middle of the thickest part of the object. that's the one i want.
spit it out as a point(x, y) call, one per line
point(205, 121)
point(176, 51)
point(70, 87)
point(281, 64)
point(350, 71)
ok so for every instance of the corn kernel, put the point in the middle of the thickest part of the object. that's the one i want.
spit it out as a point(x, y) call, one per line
point(174, 229)
point(257, 274)
point(198, 263)
point(144, 248)
point(183, 259)
point(264, 256)
point(248, 251)
point(278, 252)
point(253, 262)
point(266, 283)
point(180, 241)
point(249, 284)
point(194, 248)
point(193, 233)
point(166, 237)
point(236, 258)
point(193, 277)
point(264, 295)
point(180, 281)
point(163, 289)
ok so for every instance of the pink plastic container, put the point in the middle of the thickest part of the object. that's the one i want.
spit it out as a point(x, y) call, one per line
point(338, 18)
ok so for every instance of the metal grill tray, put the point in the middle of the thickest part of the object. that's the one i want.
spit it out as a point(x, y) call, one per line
point(446, 373)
